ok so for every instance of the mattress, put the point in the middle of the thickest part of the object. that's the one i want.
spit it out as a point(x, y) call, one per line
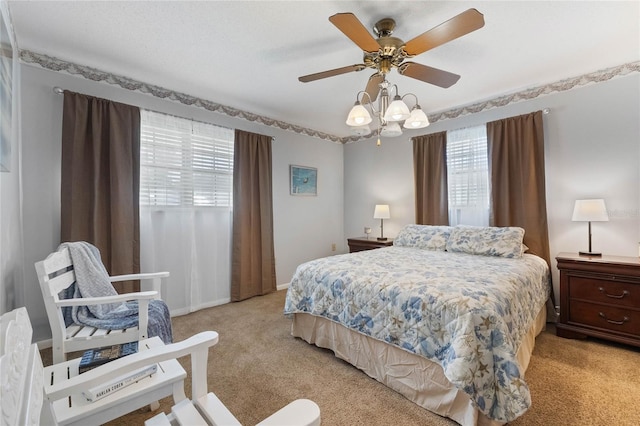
point(467, 314)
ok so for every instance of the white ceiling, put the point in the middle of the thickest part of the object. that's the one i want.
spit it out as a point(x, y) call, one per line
point(249, 55)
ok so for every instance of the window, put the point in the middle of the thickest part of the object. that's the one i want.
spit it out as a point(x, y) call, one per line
point(468, 176)
point(184, 162)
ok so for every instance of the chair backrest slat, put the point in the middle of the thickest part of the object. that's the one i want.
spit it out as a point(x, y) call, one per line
point(56, 273)
point(57, 262)
point(59, 283)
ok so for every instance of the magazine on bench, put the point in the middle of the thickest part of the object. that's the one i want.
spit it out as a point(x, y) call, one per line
point(99, 356)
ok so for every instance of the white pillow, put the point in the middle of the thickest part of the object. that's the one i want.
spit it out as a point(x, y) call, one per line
point(428, 237)
point(487, 240)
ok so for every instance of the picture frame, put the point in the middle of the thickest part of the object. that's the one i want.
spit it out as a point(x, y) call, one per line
point(303, 181)
point(7, 58)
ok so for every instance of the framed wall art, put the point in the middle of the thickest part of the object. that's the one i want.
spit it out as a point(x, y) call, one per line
point(303, 180)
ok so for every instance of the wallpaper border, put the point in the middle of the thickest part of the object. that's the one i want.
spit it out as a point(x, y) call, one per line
point(524, 95)
point(59, 65)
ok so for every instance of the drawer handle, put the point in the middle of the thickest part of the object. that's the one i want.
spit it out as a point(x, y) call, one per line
point(624, 319)
point(614, 296)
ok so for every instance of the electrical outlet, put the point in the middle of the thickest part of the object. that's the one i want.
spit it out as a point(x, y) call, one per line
point(333, 247)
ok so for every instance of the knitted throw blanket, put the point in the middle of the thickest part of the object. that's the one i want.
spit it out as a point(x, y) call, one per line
point(92, 280)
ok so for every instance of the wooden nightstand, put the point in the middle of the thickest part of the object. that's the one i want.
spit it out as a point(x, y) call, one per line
point(359, 244)
point(599, 297)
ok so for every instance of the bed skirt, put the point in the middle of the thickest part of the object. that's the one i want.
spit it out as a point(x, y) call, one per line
point(418, 379)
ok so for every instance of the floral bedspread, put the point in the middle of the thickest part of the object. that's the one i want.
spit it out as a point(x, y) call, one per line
point(466, 312)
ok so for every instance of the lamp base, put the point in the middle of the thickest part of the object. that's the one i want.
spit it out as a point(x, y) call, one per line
point(382, 238)
point(589, 253)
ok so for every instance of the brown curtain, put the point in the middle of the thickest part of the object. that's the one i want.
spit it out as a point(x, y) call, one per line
point(100, 181)
point(430, 172)
point(516, 167)
point(253, 267)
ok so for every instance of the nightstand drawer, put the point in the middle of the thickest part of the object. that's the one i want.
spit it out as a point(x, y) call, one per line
point(607, 317)
point(608, 289)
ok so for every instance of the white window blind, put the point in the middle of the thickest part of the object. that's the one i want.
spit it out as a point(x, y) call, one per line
point(184, 163)
point(468, 176)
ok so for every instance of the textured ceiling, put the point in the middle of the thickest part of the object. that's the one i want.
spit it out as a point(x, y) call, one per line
point(249, 55)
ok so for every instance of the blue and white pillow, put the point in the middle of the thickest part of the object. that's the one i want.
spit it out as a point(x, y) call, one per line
point(427, 237)
point(487, 241)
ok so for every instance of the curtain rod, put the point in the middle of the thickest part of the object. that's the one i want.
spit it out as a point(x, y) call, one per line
point(60, 91)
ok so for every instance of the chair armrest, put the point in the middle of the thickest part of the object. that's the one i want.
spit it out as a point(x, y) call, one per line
point(143, 276)
point(149, 281)
point(85, 301)
point(199, 343)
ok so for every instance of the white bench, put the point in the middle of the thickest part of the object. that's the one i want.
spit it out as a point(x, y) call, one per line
point(34, 395)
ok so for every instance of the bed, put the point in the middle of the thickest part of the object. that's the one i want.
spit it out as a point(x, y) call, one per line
point(447, 316)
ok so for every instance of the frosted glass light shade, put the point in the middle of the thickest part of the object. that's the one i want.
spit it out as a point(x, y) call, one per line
point(397, 111)
point(590, 211)
point(361, 130)
point(417, 120)
point(358, 116)
point(391, 130)
point(381, 212)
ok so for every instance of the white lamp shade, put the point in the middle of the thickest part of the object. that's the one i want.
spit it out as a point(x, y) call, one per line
point(590, 211)
point(417, 120)
point(361, 130)
point(381, 212)
point(391, 130)
point(358, 116)
point(397, 111)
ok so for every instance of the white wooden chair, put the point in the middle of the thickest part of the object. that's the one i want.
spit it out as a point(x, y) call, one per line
point(26, 384)
point(31, 397)
point(56, 273)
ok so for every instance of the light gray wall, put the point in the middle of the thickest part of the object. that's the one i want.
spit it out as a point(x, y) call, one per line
point(592, 150)
point(304, 227)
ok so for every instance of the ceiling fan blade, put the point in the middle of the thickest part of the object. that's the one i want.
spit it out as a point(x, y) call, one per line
point(353, 28)
point(464, 23)
point(373, 86)
point(429, 75)
point(331, 73)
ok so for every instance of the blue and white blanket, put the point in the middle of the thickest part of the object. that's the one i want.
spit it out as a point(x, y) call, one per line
point(92, 280)
point(466, 312)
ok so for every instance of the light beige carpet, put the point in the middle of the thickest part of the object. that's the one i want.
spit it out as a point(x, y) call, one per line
point(257, 368)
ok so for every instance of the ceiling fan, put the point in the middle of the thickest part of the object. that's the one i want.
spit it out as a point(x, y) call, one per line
point(387, 52)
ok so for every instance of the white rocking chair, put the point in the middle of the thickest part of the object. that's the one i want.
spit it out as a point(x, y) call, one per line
point(56, 273)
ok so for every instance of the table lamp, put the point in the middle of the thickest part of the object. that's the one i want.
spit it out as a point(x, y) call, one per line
point(590, 211)
point(381, 212)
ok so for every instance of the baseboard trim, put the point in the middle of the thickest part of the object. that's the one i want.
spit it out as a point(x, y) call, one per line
point(283, 286)
point(185, 311)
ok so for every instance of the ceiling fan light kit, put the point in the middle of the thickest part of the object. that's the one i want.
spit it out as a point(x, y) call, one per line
point(358, 116)
point(417, 120)
point(361, 130)
point(397, 111)
point(387, 52)
point(391, 130)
